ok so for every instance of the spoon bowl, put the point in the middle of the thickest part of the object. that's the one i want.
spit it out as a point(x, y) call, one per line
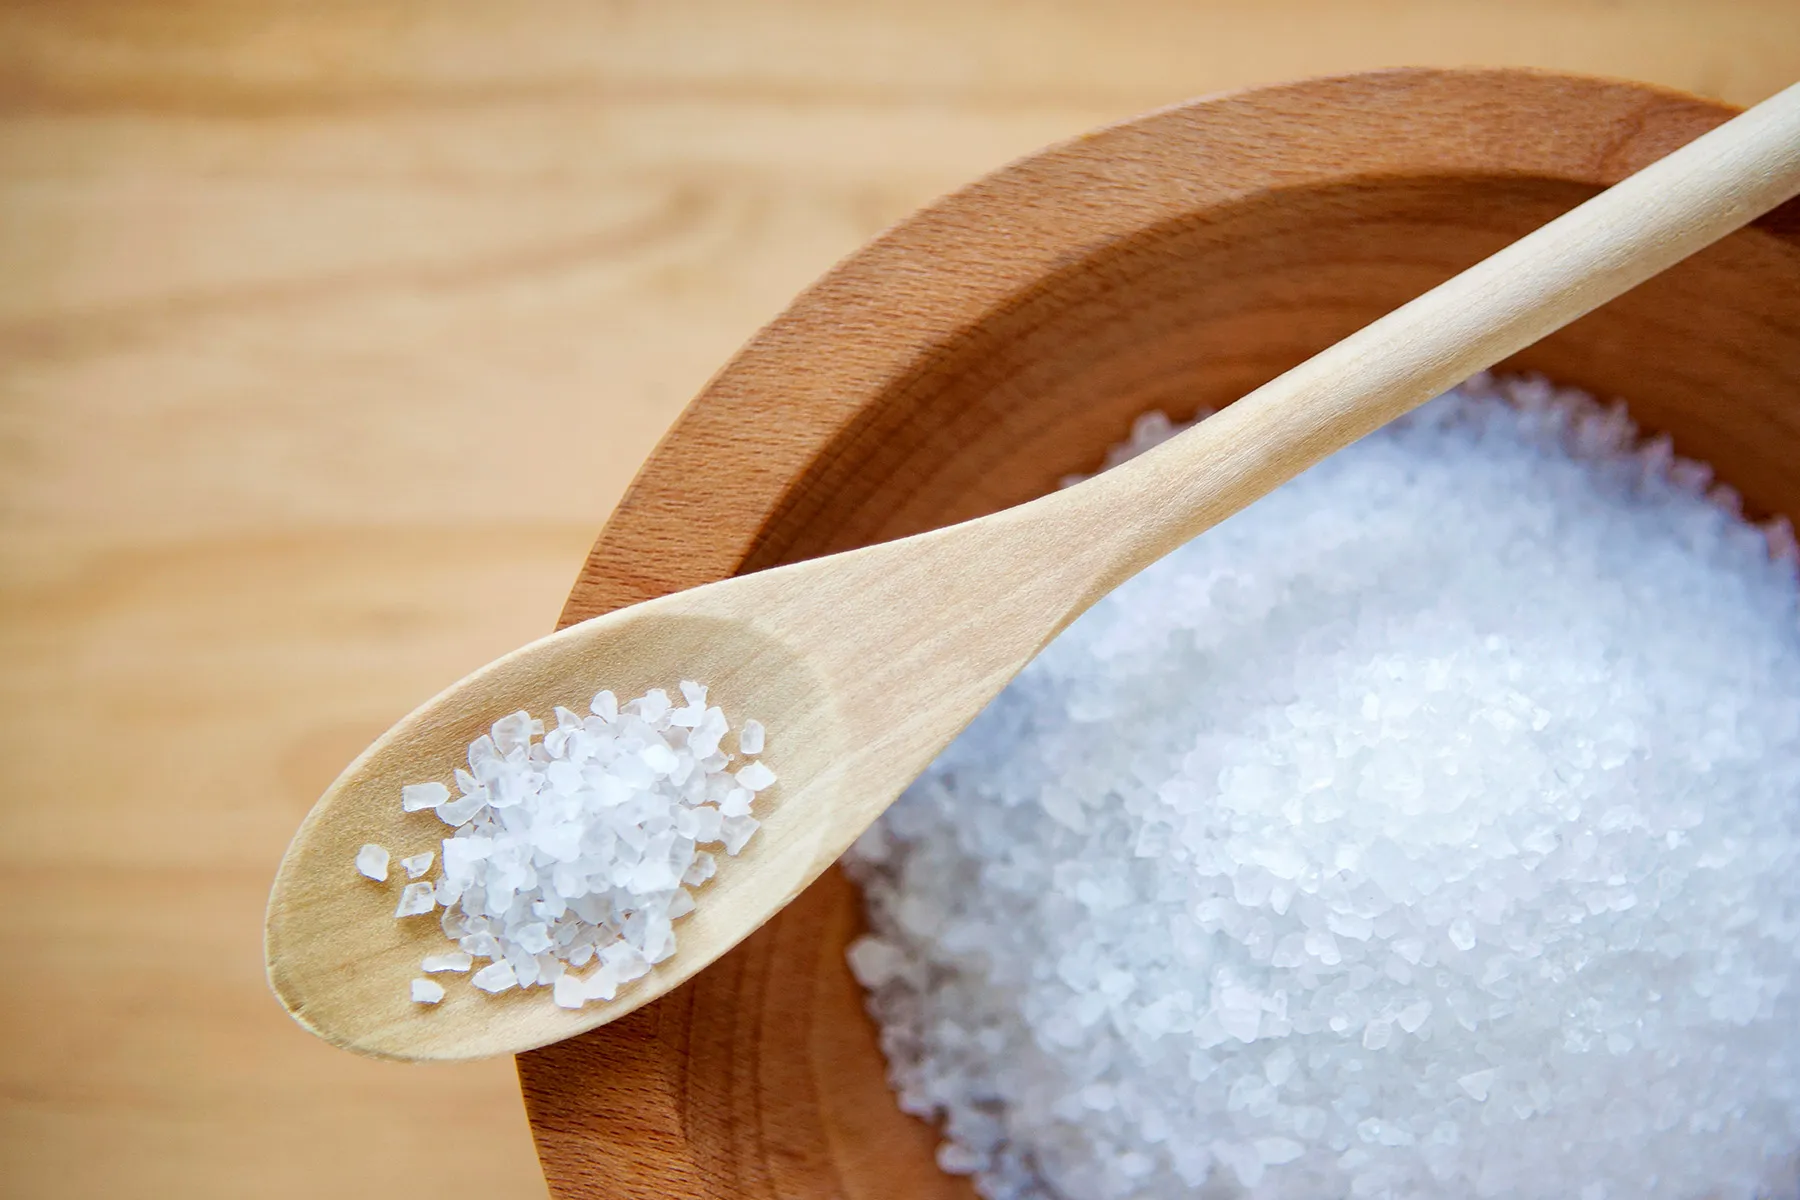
point(340, 961)
point(774, 646)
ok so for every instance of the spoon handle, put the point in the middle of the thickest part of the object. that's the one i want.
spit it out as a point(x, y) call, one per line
point(1589, 255)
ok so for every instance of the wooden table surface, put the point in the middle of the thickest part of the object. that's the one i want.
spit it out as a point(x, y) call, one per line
point(329, 332)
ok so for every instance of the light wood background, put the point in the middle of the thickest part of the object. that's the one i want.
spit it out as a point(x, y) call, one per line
point(329, 332)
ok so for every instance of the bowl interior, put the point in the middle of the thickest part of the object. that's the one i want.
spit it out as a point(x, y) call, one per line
point(1005, 337)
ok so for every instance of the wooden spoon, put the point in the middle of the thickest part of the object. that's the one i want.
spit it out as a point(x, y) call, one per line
point(864, 665)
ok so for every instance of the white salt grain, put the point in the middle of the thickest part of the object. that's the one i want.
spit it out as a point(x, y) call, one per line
point(602, 983)
point(425, 991)
point(454, 960)
point(1430, 829)
point(1477, 1083)
point(580, 842)
point(755, 777)
point(660, 759)
point(569, 991)
point(626, 961)
point(372, 860)
point(1412, 1017)
point(416, 898)
point(496, 977)
point(460, 810)
point(750, 738)
point(737, 831)
point(705, 866)
point(416, 796)
point(653, 706)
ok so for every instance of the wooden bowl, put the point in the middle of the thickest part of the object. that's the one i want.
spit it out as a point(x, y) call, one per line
point(1005, 336)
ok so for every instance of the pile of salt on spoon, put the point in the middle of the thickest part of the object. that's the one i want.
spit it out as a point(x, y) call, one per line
point(574, 848)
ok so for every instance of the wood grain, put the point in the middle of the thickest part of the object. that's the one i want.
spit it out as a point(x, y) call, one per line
point(271, 278)
point(1121, 258)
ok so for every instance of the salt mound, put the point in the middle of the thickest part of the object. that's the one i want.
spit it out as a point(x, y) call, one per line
point(1430, 829)
point(574, 847)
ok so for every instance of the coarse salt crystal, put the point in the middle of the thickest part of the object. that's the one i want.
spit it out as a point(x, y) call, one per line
point(755, 777)
point(602, 983)
point(372, 860)
point(569, 991)
point(704, 868)
point(1477, 1083)
point(416, 796)
point(653, 706)
point(496, 977)
point(425, 991)
point(661, 759)
point(460, 810)
point(626, 960)
point(416, 898)
point(1412, 1017)
point(454, 960)
point(737, 832)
